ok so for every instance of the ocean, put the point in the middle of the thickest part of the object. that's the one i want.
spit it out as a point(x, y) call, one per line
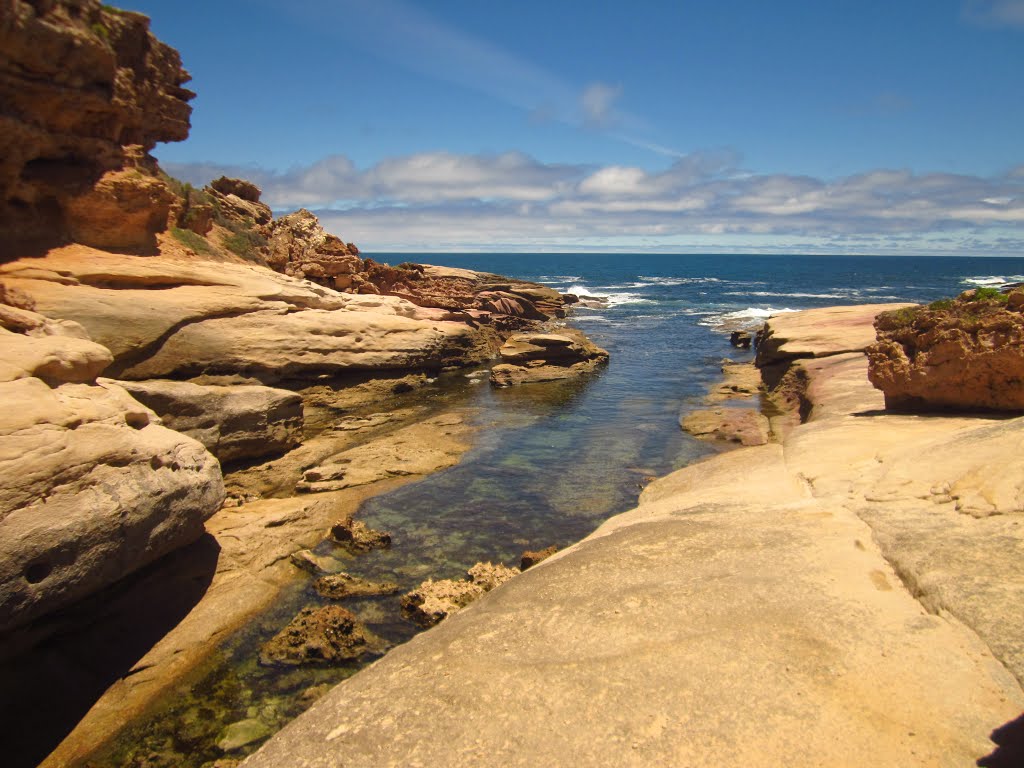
point(550, 461)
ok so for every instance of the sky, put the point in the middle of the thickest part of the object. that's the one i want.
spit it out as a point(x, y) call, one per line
point(793, 126)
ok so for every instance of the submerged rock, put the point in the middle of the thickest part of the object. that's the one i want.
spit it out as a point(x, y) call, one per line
point(337, 586)
point(962, 354)
point(357, 536)
point(320, 636)
point(432, 601)
point(242, 733)
point(746, 426)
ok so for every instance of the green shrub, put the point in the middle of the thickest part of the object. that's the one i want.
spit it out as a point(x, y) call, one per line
point(987, 293)
point(101, 31)
point(187, 237)
point(942, 304)
point(244, 243)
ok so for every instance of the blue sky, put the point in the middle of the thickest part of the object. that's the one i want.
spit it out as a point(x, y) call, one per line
point(853, 126)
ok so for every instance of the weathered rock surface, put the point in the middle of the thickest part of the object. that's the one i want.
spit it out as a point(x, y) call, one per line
point(775, 630)
point(432, 601)
point(818, 332)
point(357, 536)
point(92, 487)
point(405, 454)
point(236, 422)
point(338, 586)
point(966, 354)
point(164, 317)
point(745, 426)
point(320, 636)
point(79, 81)
point(536, 357)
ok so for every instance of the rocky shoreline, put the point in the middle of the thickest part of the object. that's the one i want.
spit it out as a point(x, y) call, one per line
point(824, 598)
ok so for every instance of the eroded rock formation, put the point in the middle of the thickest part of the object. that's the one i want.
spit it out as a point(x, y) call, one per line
point(535, 357)
point(80, 82)
point(320, 636)
point(434, 600)
point(962, 354)
point(93, 486)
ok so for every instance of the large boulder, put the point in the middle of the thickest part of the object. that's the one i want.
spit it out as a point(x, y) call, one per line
point(536, 357)
point(233, 422)
point(79, 82)
point(963, 354)
point(92, 487)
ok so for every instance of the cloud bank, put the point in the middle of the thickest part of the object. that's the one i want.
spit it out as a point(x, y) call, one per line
point(703, 201)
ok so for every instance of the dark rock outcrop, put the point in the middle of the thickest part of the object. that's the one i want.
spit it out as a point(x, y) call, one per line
point(320, 636)
point(962, 354)
point(357, 536)
point(530, 558)
point(79, 83)
point(337, 586)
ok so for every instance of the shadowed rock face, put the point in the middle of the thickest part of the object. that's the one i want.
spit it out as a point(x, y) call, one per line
point(965, 354)
point(78, 83)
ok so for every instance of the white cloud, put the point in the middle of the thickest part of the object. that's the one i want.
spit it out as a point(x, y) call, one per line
point(995, 12)
point(597, 100)
point(441, 200)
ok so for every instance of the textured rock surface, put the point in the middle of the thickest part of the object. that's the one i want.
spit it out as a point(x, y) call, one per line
point(818, 332)
point(166, 317)
point(434, 600)
point(232, 422)
point(535, 357)
point(337, 586)
point(746, 426)
point(320, 636)
point(91, 486)
point(774, 629)
point(78, 82)
point(966, 354)
point(357, 536)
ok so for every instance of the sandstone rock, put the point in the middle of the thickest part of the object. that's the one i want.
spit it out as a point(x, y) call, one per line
point(78, 81)
point(54, 358)
point(966, 354)
point(536, 357)
point(320, 636)
point(338, 586)
point(530, 558)
point(818, 332)
point(241, 188)
point(358, 536)
point(432, 601)
point(315, 564)
point(740, 381)
point(92, 488)
point(746, 426)
point(300, 247)
point(233, 422)
point(124, 209)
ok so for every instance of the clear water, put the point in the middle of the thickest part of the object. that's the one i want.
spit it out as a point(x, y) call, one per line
point(551, 460)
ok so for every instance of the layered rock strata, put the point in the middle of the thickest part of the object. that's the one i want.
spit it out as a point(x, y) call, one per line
point(79, 82)
point(546, 356)
point(237, 422)
point(962, 354)
point(93, 486)
point(832, 608)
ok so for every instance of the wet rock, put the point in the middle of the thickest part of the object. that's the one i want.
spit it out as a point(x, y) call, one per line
point(740, 339)
point(962, 354)
point(242, 733)
point(357, 536)
point(338, 586)
point(320, 636)
point(531, 557)
point(233, 422)
point(432, 601)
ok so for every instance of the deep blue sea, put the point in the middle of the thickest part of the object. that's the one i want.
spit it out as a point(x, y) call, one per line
point(550, 461)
